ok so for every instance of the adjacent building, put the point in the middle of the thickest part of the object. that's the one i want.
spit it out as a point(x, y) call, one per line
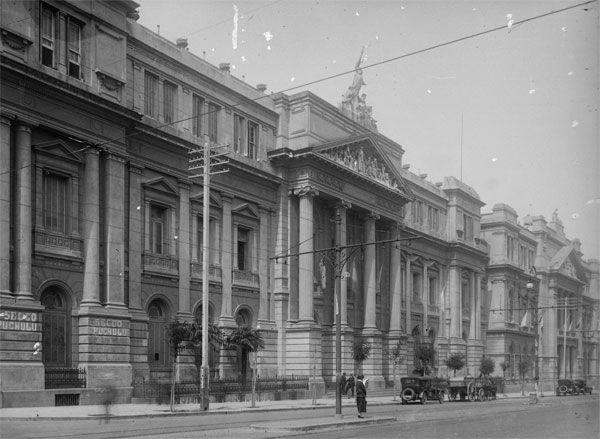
point(103, 215)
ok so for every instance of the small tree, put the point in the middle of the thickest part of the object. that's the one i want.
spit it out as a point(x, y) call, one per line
point(395, 356)
point(524, 366)
point(425, 354)
point(487, 366)
point(247, 340)
point(360, 351)
point(455, 362)
point(194, 343)
point(177, 333)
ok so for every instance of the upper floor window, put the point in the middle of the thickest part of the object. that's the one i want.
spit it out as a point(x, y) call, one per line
point(74, 48)
point(239, 133)
point(433, 286)
point(468, 227)
point(150, 94)
point(416, 284)
point(197, 110)
point(433, 217)
point(56, 203)
point(417, 212)
point(252, 140)
point(158, 227)
point(169, 101)
point(244, 249)
point(213, 122)
point(212, 240)
point(49, 33)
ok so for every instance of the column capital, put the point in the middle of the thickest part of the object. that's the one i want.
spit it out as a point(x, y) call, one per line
point(343, 204)
point(227, 197)
point(371, 216)
point(92, 149)
point(184, 183)
point(305, 191)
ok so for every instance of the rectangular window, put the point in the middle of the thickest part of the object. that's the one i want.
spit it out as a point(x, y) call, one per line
point(48, 36)
point(150, 94)
point(243, 244)
point(433, 286)
point(169, 101)
point(252, 140)
point(74, 48)
point(197, 110)
point(433, 215)
point(213, 122)
point(239, 134)
point(468, 227)
point(55, 203)
point(211, 239)
point(158, 226)
point(416, 284)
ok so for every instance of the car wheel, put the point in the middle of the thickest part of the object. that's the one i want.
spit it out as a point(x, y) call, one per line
point(563, 389)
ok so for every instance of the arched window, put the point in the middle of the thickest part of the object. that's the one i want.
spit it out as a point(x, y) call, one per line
point(243, 318)
point(56, 332)
point(159, 355)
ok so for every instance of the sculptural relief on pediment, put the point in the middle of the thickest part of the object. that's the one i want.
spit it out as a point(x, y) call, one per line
point(364, 162)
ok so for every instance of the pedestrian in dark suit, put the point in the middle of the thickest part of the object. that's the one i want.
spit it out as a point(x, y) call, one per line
point(343, 383)
point(350, 385)
point(361, 396)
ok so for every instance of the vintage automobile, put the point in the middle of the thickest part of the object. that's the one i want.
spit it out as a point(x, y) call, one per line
point(566, 387)
point(423, 389)
point(582, 387)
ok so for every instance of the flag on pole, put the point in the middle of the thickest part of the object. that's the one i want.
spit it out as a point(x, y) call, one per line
point(525, 319)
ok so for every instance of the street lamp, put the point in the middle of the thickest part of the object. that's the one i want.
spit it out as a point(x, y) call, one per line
point(536, 326)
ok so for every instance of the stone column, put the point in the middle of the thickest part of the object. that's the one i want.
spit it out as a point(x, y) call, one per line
point(306, 258)
point(183, 240)
point(408, 294)
point(226, 262)
point(136, 232)
point(477, 305)
point(454, 285)
point(473, 313)
point(263, 265)
point(91, 228)
point(341, 224)
point(396, 284)
point(293, 262)
point(370, 276)
point(5, 203)
point(23, 213)
point(425, 295)
point(114, 261)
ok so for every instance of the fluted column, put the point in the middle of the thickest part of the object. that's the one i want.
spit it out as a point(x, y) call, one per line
point(5, 203)
point(183, 241)
point(91, 228)
point(341, 234)
point(477, 277)
point(425, 294)
point(408, 294)
point(395, 283)
point(263, 265)
point(370, 280)
point(23, 208)
point(306, 258)
point(226, 257)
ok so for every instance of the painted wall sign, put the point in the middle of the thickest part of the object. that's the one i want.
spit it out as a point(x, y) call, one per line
point(108, 327)
point(20, 321)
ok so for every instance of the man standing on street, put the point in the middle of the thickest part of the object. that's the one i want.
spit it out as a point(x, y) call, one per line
point(361, 396)
point(350, 385)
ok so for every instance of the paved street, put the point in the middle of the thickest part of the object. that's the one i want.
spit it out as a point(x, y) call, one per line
point(553, 417)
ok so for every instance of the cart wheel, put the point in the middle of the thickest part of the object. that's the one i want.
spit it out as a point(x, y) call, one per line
point(471, 393)
point(481, 395)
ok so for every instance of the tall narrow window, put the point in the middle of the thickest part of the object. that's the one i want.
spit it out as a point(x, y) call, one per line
point(74, 49)
point(150, 94)
point(211, 239)
point(242, 249)
point(169, 97)
point(468, 227)
point(239, 135)
point(48, 36)
point(252, 140)
point(416, 284)
point(158, 226)
point(55, 203)
point(197, 107)
point(433, 287)
point(213, 123)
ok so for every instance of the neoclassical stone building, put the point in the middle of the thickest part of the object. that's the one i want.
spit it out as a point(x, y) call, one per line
point(536, 273)
point(103, 216)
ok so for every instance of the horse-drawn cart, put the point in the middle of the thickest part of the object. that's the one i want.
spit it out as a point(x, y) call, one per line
point(471, 389)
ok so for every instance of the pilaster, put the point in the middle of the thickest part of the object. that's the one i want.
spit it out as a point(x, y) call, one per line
point(91, 228)
point(5, 202)
point(370, 280)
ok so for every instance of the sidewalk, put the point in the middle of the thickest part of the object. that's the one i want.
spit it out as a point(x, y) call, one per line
point(124, 411)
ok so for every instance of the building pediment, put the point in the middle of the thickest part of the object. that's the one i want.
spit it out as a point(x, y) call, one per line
point(60, 149)
point(160, 185)
point(247, 210)
point(363, 156)
point(214, 199)
point(567, 263)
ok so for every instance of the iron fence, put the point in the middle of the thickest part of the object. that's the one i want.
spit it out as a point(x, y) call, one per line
point(188, 390)
point(65, 378)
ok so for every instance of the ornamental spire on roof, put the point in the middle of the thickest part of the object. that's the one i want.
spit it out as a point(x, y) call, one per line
point(354, 104)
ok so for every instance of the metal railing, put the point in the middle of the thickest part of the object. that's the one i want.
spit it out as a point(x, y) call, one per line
point(65, 378)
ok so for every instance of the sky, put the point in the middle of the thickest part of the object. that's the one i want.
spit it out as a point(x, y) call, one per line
point(511, 112)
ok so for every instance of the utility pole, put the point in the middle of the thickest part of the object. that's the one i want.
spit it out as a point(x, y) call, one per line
point(536, 328)
point(204, 159)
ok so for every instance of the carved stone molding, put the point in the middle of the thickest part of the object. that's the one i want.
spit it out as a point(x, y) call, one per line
point(109, 82)
point(306, 191)
point(14, 40)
